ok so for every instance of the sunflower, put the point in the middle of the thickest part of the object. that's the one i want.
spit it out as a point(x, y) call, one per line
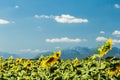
point(2, 70)
point(10, 59)
point(51, 59)
point(75, 61)
point(15, 68)
point(27, 64)
point(112, 73)
point(105, 48)
point(57, 54)
point(118, 68)
point(43, 63)
point(18, 60)
point(116, 71)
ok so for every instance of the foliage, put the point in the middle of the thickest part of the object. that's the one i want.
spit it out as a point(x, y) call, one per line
point(61, 70)
point(52, 68)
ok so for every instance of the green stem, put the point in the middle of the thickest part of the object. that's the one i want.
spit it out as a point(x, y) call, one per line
point(100, 62)
point(99, 68)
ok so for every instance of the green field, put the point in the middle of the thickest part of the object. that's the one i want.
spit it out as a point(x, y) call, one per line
point(53, 68)
point(62, 70)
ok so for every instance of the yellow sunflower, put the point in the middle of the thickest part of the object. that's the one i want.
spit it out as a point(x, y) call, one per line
point(1, 70)
point(10, 59)
point(57, 54)
point(118, 69)
point(15, 68)
point(27, 64)
point(105, 48)
point(112, 73)
point(51, 59)
point(18, 60)
point(75, 61)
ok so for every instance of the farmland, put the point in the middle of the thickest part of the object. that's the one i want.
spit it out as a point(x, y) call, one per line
point(54, 68)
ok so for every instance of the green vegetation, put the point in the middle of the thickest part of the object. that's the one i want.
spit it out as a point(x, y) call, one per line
point(52, 68)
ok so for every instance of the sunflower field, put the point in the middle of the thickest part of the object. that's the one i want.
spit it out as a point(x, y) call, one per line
point(54, 68)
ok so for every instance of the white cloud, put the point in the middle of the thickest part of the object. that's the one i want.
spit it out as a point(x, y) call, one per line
point(32, 50)
point(2, 21)
point(64, 39)
point(116, 41)
point(102, 32)
point(101, 39)
point(43, 16)
point(116, 32)
point(117, 6)
point(16, 6)
point(64, 18)
point(69, 19)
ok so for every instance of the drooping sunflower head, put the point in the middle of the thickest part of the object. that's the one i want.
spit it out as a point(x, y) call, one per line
point(105, 48)
point(51, 60)
point(108, 44)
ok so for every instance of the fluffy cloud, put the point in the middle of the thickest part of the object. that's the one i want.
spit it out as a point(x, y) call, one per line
point(117, 6)
point(2, 21)
point(64, 18)
point(69, 19)
point(64, 39)
point(116, 41)
point(116, 32)
point(101, 39)
point(32, 50)
point(102, 32)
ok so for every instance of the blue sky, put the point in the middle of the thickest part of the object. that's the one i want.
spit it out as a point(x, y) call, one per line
point(40, 25)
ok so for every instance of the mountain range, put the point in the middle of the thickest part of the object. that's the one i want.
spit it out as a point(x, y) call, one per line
point(70, 53)
point(82, 52)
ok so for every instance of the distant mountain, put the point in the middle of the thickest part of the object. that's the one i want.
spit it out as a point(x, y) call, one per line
point(6, 55)
point(28, 55)
point(70, 53)
point(82, 52)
